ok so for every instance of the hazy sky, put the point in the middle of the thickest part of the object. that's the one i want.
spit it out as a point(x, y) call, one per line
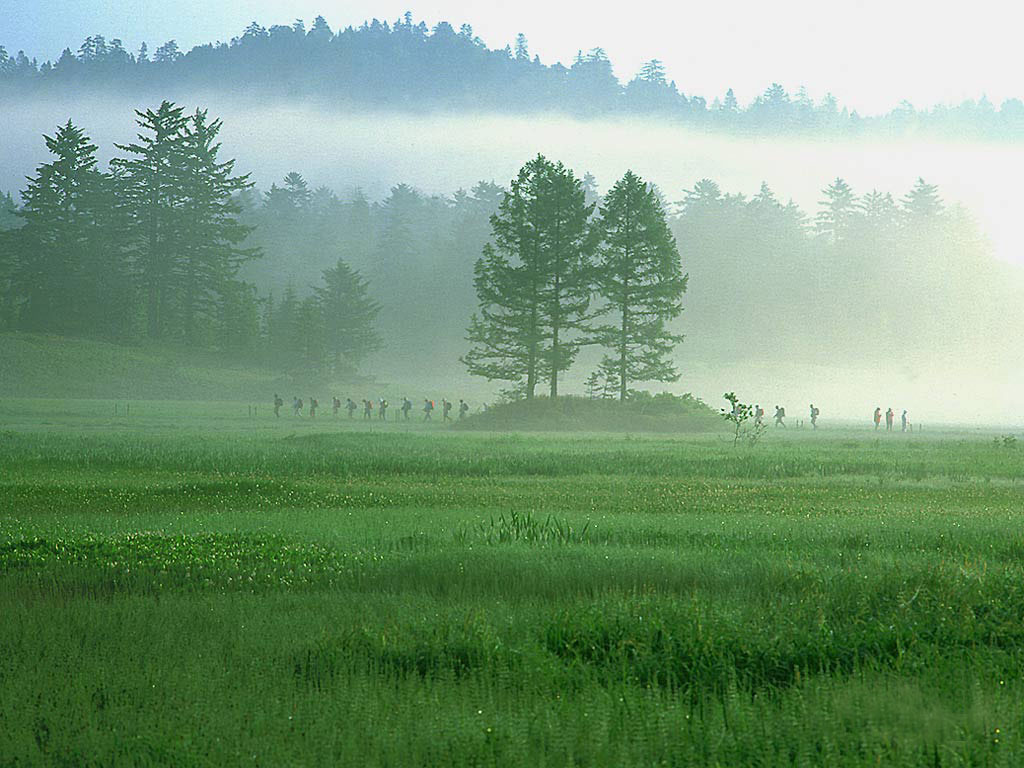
point(869, 53)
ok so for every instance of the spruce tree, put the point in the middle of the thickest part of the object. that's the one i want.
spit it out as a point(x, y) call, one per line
point(348, 315)
point(153, 183)
point(70, 261)
point(638, 274)
point(838, 210)
point(210, 251)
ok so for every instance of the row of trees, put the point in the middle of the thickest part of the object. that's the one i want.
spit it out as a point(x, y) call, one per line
point(547, 260)
point(153, 247)
point(406, 65)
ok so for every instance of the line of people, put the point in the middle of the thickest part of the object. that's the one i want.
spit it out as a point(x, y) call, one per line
point(368, 406)
point(890, 419)
point(780, 415)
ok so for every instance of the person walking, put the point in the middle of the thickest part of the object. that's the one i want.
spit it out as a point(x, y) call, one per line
point(278, 402)
point(367, 410)
point(313, 405)
point(406, 407)
point(903, 420)
point(780, 416)
point(335, 406)
point(878, 417)
point(350, 406)
point(758, 415)
point(814, 416)
point(428, 409)
point(889, 416)
point(382, 412)
point(463, 409)
point(447, 409)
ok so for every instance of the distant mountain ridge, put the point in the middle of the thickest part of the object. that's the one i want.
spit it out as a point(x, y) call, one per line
point(406, 66)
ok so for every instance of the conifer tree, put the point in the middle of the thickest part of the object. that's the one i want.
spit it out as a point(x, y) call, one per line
point(70, 263)
point(348, 315)
point(210, 251)
point(641, 280)
point(838, 210)
point(533, 282)
point(152, 174)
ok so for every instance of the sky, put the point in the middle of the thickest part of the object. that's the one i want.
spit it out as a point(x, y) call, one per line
point(871, 54)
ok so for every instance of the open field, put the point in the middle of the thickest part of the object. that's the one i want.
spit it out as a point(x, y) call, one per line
point(191, 586)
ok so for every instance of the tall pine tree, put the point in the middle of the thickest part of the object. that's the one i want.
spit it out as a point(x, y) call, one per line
point(534, 281)
point(640, 277)
point(154, 185)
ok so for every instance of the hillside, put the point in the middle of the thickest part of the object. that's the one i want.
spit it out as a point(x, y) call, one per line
point(51, 366)
point(406, 66)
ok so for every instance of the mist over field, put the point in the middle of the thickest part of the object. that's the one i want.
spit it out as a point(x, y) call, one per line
point(974, 381)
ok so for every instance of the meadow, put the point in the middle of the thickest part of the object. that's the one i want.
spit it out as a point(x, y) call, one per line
point(191, 584)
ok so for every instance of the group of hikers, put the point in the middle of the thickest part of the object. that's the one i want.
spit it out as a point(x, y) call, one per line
point(381, 406)
point(890, 418)
point(780, 415)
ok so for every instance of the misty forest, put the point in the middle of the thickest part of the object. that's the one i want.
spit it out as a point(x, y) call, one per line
point(376, 397)
point(171, 244)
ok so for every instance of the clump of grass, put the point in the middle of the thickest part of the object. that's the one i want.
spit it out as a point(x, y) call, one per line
point(525, 528)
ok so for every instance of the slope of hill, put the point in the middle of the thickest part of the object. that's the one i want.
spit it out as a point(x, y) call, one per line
point(52, 366)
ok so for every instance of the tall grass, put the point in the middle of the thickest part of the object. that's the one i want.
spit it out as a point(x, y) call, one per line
point(355, 598)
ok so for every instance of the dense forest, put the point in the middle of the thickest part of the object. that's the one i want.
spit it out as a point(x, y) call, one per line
point(405, 65)
point(171, 246)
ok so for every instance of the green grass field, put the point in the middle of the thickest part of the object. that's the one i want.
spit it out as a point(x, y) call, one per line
point(192, 586)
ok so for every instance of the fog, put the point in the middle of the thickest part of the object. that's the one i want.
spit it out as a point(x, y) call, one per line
point(439, 154)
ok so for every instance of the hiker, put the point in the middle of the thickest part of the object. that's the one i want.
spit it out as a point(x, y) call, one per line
point(878, 417)
point(758, 415)
point(889, 416)
point(428, 409)
point(298, 406)
point(335, 406)
point(814, 416)
point(780, 416)
point(367, 409)
point(278, 402)
point(406, 407)
point(313, 405)
point(350, 406)
point(447, 410)
point(463, 409)
point(903, 419)
point(382, 414)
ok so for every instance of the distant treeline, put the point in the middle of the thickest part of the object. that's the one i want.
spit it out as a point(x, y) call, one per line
point(170, 245)
point(404, 65)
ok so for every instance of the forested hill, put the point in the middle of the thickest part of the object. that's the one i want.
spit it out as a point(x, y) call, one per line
point(405, 65)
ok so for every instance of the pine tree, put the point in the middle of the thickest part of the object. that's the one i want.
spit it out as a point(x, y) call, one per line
point(838, 211)
point(153, 182)
point(640, 277)
point(533, 282)
point(210, 251)
point(522, 52)
point(348, 315)
point(922, 202)
point(70, 268)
